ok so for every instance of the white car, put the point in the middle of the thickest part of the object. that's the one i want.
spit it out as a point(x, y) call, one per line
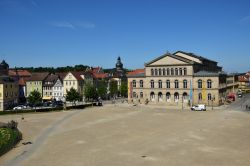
point(19, 107)
point(200, 107)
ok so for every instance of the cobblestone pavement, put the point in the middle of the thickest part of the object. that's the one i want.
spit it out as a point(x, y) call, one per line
point(126, 135)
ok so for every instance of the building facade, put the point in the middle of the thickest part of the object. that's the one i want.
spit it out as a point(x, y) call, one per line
point(244, 82)
point(35, 82)
point(179, 79)
point(48, 85)
point(9, 88)
point(21, 76)
point(57, 90)
point(77, 81)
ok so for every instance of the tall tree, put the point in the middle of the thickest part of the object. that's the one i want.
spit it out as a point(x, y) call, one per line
point(102, 89)
point(35, 98)
point(113, 88)
point(73, 96)
point(90, 92)
point(124, 89)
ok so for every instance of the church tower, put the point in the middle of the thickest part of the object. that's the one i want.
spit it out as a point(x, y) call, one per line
point(4, 68)
point(119, 65)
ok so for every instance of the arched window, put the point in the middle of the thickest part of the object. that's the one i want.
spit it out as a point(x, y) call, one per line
point(164, 71)
point(167, 84)
point(200, 83)
point(176, 96)
point(200, 96)
point(176, 71)
point(185, 96)
point(134, 95)
point(172, 71)
point(160, 97)
point(176, 84)
point(152, 84)
point(180, 71)
point(184, 84)
point(134, 84)
point(156, 72)
point(209, 96)
point(168, 97)
point(209, 84)
point(141, 83)
point(159, 72)
point(159, 84)
point(141, 94)
point(168, 73)
point(185, 71)
point(152, 96)
point(152, 72)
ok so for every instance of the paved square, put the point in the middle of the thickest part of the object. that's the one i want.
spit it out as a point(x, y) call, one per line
point(132, 136)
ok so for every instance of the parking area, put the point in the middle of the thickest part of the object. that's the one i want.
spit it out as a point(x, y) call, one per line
point(125, 135)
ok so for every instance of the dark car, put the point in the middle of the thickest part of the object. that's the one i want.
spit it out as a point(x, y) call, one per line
point(57, 104)
point(97, 103)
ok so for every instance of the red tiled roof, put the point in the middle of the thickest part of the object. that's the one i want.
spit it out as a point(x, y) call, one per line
point(137, 71)
point(77, 75)
point(96, 69)
point(244, 78)
point(21, 73)
point(38, 76)
point(61, 75)
point(100, 75)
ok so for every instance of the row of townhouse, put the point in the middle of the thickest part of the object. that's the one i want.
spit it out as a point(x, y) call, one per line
point(55, 86)
point(16, 85)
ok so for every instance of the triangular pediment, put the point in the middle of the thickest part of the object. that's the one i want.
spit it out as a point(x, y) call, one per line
point(167, 59)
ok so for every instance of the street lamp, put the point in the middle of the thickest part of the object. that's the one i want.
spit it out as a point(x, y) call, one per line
point(182, 103)
point(213, 102)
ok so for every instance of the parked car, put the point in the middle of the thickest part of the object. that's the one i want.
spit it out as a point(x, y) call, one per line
point(97, 102)
point(57, 104)
point(19, 107)
point(199, 107)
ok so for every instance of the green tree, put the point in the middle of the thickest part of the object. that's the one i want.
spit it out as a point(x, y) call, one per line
point(113, 88)
point(124, 89)
point(90, 92)
point(73, 96)
point(102, 89)
point(35, 98)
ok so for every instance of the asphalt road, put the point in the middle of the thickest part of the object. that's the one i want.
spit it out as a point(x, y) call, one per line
point(240, 103)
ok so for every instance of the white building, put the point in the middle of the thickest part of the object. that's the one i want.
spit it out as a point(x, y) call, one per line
point(57, 90)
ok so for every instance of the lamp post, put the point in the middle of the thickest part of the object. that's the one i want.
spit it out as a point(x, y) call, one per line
point(182, 103)
point(213, 102)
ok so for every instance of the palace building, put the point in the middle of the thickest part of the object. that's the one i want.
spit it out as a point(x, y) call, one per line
point(181, 79)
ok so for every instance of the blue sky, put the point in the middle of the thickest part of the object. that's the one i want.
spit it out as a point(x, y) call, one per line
point(95, 32)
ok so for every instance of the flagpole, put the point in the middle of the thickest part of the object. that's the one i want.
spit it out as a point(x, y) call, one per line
point(191, 94)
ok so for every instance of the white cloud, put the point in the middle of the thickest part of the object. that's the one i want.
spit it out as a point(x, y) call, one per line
point(74, 25)
point(63, 24)
point(245, 19)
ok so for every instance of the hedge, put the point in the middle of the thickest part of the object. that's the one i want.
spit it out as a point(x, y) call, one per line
point(8, 139)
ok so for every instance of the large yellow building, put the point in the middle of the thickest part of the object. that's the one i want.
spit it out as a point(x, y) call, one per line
point(9, 88)
point(180, 79)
